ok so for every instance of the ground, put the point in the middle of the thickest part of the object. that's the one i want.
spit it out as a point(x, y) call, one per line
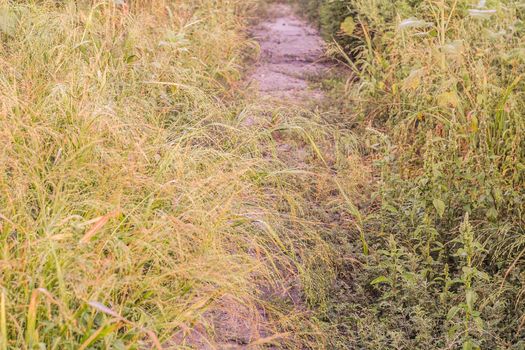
point(291, 52)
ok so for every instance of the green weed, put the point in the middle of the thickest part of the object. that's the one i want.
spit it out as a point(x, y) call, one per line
point(437, 94)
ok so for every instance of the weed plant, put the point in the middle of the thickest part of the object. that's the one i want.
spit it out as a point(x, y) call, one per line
point(438, 94)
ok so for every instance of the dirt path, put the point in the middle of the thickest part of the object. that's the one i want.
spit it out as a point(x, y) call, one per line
point(291, 53)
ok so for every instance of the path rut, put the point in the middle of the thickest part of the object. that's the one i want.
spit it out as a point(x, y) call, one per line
point(291, 53)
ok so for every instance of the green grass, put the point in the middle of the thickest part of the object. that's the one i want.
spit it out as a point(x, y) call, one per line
point(137, 209)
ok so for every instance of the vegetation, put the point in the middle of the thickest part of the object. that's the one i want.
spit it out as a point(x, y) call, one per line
point(439, 99)
point(143, 202)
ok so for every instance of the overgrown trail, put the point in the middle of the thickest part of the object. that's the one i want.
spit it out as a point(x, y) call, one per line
point(292, 59)
point(284, 108)
point(291, 53)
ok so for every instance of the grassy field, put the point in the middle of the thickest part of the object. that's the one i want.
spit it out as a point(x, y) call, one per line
point(146, 200)
point(138, 207)
point(437, 94)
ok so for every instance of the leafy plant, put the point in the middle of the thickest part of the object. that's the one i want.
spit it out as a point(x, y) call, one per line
point(437, 96)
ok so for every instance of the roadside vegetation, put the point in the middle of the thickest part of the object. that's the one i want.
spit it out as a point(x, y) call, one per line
point(148, 201)
point(437, 93)
point(143, 202)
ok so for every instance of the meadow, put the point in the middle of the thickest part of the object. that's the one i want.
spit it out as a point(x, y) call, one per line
point(148, 200)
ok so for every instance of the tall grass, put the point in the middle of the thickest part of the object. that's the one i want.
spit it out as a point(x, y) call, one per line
point(136, 207)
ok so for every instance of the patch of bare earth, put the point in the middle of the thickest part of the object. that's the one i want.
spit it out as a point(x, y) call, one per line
point(291, 53)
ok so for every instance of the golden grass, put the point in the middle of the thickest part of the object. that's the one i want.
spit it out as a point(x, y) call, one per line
point(136, 209)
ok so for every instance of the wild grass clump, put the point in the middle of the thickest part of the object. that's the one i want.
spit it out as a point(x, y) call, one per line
point(137, 208)
point(440, 88)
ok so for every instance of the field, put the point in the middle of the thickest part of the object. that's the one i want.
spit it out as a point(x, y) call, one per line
point(149, 199)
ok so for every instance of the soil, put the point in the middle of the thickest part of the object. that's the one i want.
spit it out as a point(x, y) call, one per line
point(291, 54)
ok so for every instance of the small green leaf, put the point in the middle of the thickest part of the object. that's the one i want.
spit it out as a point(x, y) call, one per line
point(479, 323)
point(467, 270)
point(467, 345)
point(461, 252)
point(348, 26)
point(131, 58)
point(381, 279)
point(409, 277)
point(448, 99)
point(453, 330)
point(390, 208)
point(471, 298)
point(440, 206)
point(492, 214)
point(482, 275)
point(453, 312)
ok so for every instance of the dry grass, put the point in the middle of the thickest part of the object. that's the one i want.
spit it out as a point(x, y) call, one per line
point(136, 209)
